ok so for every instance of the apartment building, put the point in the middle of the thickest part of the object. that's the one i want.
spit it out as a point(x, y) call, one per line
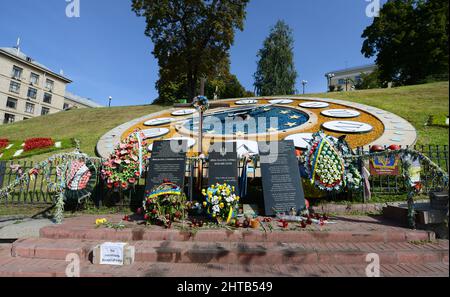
point(346, 79)
point(29, 89)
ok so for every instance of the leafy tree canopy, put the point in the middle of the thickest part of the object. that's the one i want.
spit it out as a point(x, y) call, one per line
point(190, 37)
point(276, 74)
point(410, 41)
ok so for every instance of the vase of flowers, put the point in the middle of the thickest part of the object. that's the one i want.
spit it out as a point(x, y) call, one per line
point(221, 203)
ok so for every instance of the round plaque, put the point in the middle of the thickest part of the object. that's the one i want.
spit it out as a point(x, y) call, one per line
point(347, 127)
point(300, 139)
point(281, 101)
point(183, 112)
point(315, 104)
point(158, 121)
point(246, 102)
point(341, 113)
point(155, 132)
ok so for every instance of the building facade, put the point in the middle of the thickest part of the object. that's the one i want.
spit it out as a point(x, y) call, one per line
point(346, 79)
point(29, 89)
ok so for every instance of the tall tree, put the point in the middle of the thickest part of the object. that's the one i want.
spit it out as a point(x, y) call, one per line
point(276, 74)
point(410, 41)
point(190, 36)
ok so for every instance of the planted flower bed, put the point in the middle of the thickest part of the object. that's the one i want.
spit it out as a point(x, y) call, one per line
point(38, 143)
point(19, 149)
point(3, 143)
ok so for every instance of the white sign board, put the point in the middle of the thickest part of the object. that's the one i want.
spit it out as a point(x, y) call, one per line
point(112, 253)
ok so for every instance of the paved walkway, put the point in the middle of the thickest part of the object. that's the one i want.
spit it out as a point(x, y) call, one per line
point(333, 250)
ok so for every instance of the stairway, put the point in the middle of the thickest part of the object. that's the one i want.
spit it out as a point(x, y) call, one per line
point(336, 252)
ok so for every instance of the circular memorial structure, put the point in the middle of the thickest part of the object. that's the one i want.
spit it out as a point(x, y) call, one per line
point(268, 119)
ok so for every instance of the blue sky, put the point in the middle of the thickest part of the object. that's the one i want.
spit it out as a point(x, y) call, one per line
point(106, 53)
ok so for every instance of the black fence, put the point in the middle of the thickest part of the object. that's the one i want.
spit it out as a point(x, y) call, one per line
point(36, 192)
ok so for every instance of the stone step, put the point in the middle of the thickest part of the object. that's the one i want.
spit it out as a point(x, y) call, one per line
point(243, 253)
point(382, 234)
point(23, 267)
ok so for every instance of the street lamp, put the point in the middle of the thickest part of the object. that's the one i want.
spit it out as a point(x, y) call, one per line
point(330, 76)
point(304, 83)
point(109, 104)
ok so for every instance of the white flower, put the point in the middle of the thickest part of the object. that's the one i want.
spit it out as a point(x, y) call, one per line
point(216, 209)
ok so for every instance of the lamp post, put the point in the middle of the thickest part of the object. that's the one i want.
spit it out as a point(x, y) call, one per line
point(109, 104)
point(330, 76)
point(304, 83)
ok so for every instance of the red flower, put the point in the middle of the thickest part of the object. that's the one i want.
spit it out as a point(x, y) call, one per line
point(146, 217)
point(116, 184)
point(124, 185)
point(132, 180)
point(137, 174)
point(37, 143)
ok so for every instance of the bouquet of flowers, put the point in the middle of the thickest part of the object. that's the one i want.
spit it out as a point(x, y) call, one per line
point(122, 169)
point(221, 202)
point(165, 204)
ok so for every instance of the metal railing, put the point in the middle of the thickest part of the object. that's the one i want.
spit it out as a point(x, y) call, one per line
point(36, 192)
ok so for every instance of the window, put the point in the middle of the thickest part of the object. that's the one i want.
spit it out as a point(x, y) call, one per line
point(9, 118)
point(24, 118)
point(32, 92)
point(48, 98)
point(45, 110)
point(34, 79)
point(29, 108)
point(66, 106)
point(341, 81)
point(17, 72)
point(11, 103)
point(49, 84)
point(14, 87)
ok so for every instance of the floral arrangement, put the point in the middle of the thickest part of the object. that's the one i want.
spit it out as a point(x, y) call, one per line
point(164, 205)
point(3, 143)
point(58, 187)
point(123, 168)
point(221, 203)
point(326, 166)
point(201, 103)
point(37, 143)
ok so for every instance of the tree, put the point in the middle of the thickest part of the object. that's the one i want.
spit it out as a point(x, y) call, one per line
point(190, 37)
point(410, 41)
point(276, 74)
point(369, 81)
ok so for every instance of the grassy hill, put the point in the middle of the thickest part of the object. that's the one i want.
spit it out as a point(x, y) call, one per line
point(414, 103)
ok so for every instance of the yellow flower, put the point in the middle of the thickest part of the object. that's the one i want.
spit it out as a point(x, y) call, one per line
point(221, 205)
point(204, 204)
point(220, 198)
point(100, 221)
point(238, 198)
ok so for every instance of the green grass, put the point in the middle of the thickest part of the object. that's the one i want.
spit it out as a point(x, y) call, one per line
point(9, 154)
point(414, 103)
point(86, 125)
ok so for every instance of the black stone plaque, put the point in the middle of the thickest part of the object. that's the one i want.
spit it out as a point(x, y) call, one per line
point(282, 186)
point(223, 166)
point(167, 162)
